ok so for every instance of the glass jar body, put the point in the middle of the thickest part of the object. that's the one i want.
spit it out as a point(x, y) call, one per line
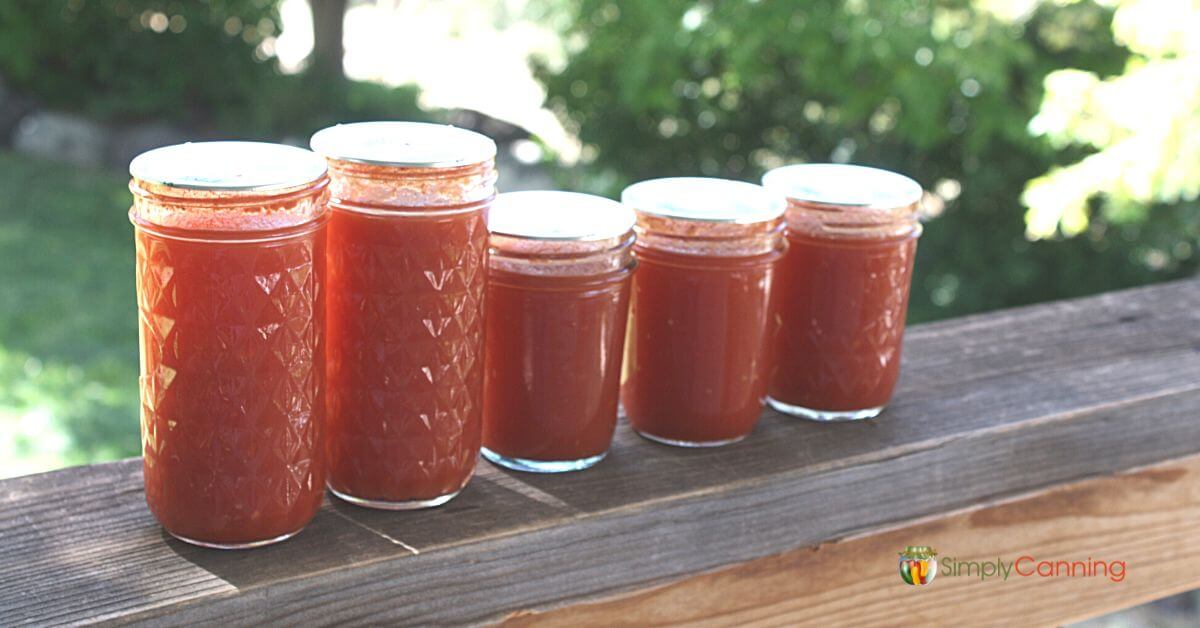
point(697, 349)
point(232, 329)
point(407, 278)
point(841, 296)
point(554, 347)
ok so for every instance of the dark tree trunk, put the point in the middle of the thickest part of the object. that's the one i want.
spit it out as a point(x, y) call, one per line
point(328, 18)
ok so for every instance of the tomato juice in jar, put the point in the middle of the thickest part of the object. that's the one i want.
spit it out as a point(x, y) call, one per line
point(230, 240)
point(842, 288)
point(407, 271)
point(697, 353)
point(558, 300)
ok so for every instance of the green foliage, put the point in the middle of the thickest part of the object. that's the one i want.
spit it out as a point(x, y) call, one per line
point(303, 104)
point(206, 65)
point(1141, 124)
point(942, 91)
point(189, 61)
point(68, 322)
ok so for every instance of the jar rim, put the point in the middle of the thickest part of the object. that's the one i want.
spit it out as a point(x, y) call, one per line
point(553, 215)
point(228, 166)
point(845, 185)
point(704, 199)
point(403, 144)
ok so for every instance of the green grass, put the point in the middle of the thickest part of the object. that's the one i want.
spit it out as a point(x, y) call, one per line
point(68, 328)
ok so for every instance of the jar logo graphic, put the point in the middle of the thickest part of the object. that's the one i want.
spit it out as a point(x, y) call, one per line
point(918, 564)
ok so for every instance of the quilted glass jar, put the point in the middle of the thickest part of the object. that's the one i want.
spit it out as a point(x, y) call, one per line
point(407, 269)
point(842, 288)
point(230, 289)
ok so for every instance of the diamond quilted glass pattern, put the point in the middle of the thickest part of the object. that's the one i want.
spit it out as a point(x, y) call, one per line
point(405, 362)
point(232, 384)
point(840, 309)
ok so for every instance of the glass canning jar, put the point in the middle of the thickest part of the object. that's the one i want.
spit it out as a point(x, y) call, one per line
point(697, 350)
point(558, 300)
point(407, 273)
point(842, 288)
point(230, 243)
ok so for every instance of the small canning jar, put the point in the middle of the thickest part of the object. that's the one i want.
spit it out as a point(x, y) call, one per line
point(842, 288)
point(558, 300)
point(697, 350)
point(407, 270)
point(230, 243)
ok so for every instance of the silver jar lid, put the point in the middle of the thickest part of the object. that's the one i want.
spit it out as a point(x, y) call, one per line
point(551, 215)
point(844, 184)
point(403, 144)
point(228, 166)
point(704, 199)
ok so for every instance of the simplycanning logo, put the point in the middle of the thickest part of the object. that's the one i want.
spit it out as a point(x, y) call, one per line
point(919, 565)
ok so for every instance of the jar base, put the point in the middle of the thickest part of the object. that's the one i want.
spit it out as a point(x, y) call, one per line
point(235, 546)
point(379, 504)
point(541, 466)
point(690, 444)
point(824, 416)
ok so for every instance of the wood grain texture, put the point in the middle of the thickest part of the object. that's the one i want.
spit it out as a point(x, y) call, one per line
point(988, 406)
point(1149, 519)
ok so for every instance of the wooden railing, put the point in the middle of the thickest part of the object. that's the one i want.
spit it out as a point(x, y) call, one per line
point(1063, 431)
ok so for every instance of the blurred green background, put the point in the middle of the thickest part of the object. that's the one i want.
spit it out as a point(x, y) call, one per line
point(1056, 138)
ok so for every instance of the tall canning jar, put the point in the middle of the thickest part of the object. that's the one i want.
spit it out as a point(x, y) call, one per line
point(230, 289)
point(407, 274)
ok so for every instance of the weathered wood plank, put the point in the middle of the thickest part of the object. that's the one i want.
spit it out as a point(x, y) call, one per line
point(1149, 519)
point(988, 406)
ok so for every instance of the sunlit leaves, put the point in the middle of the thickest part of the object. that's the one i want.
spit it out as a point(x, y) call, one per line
point(1143, 125)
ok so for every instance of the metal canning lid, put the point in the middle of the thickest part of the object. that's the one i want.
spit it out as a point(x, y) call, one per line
point(403, 144)
point(549, 215)
point(228, 166)
point(704, 199)
point(843, 184)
